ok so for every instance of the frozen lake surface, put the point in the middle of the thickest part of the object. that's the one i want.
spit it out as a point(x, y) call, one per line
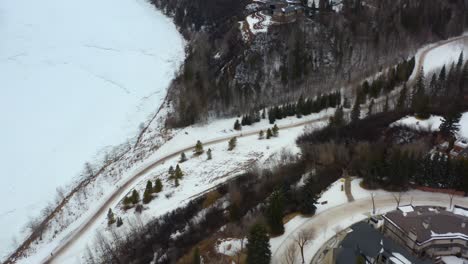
point(76, 77)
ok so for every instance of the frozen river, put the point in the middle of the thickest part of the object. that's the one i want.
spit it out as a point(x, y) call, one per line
point(76, 77)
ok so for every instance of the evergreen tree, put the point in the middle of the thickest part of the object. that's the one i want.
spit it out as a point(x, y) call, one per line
point(119, 221)
point(338, 119)
point(232, 143)
point(261, 134)
point(386, 106)
point(178, 172)
point(272, 115)
point(356, 112)
point(450, 122)
point(171, 172)
point(208, 154)
point(110, 217)
point(274, 213)
point(135, 197)
point(147, 195)
point(269, 134)
point(198, 148)
point(460, 62)
point(237, 125)
point(401, 103)
point(263, 113)
point(158, 186)
point(258, 246)
point(370, 108)
point(346, 103)
point(275, 130)
point(183, 158)
point(308, 198)
point(196, 256)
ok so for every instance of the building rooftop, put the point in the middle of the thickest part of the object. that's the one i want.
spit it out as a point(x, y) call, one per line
point(429, 223)
point(366, 240)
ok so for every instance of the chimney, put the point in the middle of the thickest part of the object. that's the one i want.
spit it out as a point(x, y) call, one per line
point(426, 223)
point(463, 224)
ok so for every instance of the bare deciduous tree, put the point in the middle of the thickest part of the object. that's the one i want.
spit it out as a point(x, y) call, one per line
point(397, 198)
point(302, 239)
point(291, 254)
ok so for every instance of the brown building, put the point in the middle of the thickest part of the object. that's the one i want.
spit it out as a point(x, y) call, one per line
point(429, 231)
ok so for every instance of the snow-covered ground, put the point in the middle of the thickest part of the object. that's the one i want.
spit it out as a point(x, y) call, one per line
point(454, 260)
point(200, 176)
point(77, 77)
point(432, 124)
point(445, 55)
point(329, 220)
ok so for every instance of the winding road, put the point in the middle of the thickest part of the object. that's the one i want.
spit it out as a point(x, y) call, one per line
point(326, 217)
point(332, 219)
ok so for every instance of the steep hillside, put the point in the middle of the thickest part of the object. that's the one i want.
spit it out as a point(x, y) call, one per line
point(233, 66)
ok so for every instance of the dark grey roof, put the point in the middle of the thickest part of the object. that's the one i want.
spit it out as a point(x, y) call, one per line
point(439, 221)
point(366, 240)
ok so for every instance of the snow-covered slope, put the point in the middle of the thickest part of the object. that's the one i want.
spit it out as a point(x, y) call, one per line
point(77, 76)
point(445, 55)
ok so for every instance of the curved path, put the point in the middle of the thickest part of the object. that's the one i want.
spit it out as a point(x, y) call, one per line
point(356, 211)
point(77, 233)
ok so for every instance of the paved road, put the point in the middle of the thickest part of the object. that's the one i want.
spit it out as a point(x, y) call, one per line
point(75, 235)
point(333, 218)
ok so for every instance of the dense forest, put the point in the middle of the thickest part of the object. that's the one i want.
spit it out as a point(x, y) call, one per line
point(317, 54)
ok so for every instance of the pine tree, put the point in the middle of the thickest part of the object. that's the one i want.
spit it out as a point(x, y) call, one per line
point(110, 217)
point(263, 113)
point(338, 119)
point(158, 186)
point(119, 221)
point(401, 103)
point(237, 125)
point(147, 195)
point(275, 130)
point(198, 148)
point(178, 172)
point(460, 62)
point(196, 256)
point(258, 246)
point(356, 112)
point(274, 213)
point(261, 134)
point(183, 158)
point(135, 197)
point(269, 134)
point(232, 143)
point(346, 103)
point(370, 108)
point(171, 172)
point(386, 106)
point(450, 122)
point(208, 154)
point(308, 198)
point(420, 101)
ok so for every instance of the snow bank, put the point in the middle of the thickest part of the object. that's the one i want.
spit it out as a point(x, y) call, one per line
point(430, 124)
point(77, 76)
point(229, 246)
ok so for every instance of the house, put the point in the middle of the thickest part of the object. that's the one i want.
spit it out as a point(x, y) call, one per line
point(363, 243)
point(429, 231)
point(460, 149)
point(287, 14)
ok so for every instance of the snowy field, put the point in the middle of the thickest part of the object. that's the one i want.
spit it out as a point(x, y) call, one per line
point(77, 76)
